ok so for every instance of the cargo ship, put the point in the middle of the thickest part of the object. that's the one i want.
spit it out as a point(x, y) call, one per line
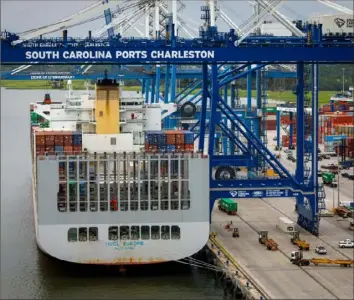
point(111, 187)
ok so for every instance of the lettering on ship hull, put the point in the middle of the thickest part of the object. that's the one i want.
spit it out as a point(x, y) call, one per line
point(125, 261)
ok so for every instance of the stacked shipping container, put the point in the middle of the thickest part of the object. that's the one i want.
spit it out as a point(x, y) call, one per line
point(285, 140)
point(52, 142)
point(169, 141)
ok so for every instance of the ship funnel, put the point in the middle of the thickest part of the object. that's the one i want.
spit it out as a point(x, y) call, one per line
point(47, 99)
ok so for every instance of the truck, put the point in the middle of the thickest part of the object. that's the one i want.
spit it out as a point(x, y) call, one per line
point(298, 259)
point(286, 225)
point(342, 211)
point(348, 243)
point(329, 179)
point(269, 243)
point(228, 205)
point(295, 240)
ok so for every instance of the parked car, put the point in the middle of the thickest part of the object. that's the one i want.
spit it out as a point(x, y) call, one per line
point(321, 250)
point(348, 243)
point(274, 138)
point(319, 173)
point(345, 175)
point(351, 177)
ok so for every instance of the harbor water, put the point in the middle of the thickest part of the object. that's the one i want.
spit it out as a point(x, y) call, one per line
point(26, 273)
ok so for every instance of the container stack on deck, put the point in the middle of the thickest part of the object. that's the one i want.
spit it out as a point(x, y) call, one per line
point(52, 142)
point(169, 141)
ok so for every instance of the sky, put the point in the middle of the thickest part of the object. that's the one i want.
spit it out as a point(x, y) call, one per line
point(18, 16)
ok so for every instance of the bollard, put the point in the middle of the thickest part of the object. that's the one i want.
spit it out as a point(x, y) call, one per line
point(261, 298)
point(236, 273)
point(227, 262)
point(212, 245)
point(247, 284)
point(219, 252)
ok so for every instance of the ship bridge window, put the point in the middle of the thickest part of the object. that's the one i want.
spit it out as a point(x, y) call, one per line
point(113, 233)
point(124, 232)
point(82, 234)
point(165, 232)
point(155, 232)
point(101, 113)
point(72, 235)
point(175, 232)
point(134, 232)
point(113, 141)
point(145, 232)
point(93, 233)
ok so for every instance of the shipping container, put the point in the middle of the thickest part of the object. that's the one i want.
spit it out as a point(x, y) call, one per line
point(40, 140)
point(59, 148)
point(49, 139)
point(77, 148)
point(59, 139)
point(188, 137)
point(77, 138)
point(179, 138)
point(162, 148)
point(189, 147)
point(171, 138)
point(68, 140)
point(180, 148)
point(271, 124)
point(171, 148)
point(49, 149)
point(68, 149)
point(151, 148)
point(40, 150)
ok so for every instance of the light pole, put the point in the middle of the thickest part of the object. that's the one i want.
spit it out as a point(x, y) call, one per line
point(343, 69)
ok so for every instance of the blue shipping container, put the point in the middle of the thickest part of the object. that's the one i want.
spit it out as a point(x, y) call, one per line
point(171, 148)
point(162, 148)
point(188, 137)
point(162, 139)
point(59, 149)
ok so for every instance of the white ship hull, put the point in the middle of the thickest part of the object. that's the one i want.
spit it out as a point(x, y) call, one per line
point(52, 239)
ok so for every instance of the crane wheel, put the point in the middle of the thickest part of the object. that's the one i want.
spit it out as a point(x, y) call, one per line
point(225, 173)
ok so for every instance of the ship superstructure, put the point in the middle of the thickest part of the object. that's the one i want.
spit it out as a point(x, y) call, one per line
point(110, 187)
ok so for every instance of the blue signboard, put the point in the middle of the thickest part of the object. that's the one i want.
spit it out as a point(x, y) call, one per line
point(266, 193)
point(166, 54)
point(335, 138)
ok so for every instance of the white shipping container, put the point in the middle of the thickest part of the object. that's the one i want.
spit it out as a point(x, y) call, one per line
point(335, 23)
point(286, 225)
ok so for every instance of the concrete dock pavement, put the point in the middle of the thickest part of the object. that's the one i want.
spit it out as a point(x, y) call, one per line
point(273, 269)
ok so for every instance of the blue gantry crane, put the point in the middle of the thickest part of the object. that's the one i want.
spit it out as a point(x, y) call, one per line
point(244, 131)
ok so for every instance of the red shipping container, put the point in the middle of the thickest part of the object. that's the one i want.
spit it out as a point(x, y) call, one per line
point(59, 139)
point(49, 148)
point(151, 148)
point(180, 148)
point(170, 138)
point(40, 140)
point(68, 149)
point(189, 148)
point(40, 150)
point(77, 149)
point(68, 140)
point(49, 140)
point(271, 124)
point(179, 139)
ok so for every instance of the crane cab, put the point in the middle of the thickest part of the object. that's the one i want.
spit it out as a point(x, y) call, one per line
point(296, 256)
